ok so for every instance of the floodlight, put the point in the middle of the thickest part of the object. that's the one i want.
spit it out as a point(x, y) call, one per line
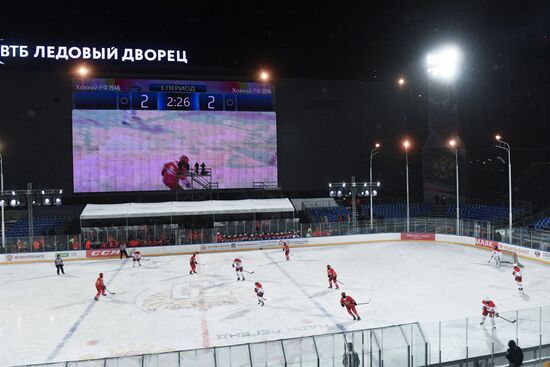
point(444, 63)
point(82, 70)
point(264, 76)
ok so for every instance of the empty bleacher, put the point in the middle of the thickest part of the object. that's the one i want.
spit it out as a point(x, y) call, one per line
point(331, 213)
point(490, 213)
point(398, 210)
point(42, 226)
point(542, 224)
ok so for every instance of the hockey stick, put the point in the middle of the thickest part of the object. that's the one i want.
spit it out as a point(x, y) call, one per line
point(364, 303)
point(493, 255)
point(249, 272)
point(339, 282)
point(504, 318)
point(109, 291)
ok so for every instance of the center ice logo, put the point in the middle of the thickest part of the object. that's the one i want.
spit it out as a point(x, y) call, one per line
point(192, 296)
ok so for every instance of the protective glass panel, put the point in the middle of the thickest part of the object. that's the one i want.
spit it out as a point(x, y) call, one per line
point(234, 356)
point(418, 345)
point(331, 349)
point(453, 340)
point(395, 350)
point(505, 330)
point(528, 325)
point(479, 337)
point(161, 360)
point(431, 332)
point(198, 358)
point(267, 354)
point(545, 329)
point(131, 361)
point(300, 352)
point(94, 363)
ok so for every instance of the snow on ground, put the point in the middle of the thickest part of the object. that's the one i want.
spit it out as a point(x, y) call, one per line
point(160, 307)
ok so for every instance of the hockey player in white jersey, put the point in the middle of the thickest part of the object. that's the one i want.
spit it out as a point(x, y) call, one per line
point(518, 277)
point(489, 308)
point(238, 266)
point(137, 258)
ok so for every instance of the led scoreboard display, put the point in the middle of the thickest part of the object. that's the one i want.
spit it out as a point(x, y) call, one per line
point(173, 96)
point(145, 135)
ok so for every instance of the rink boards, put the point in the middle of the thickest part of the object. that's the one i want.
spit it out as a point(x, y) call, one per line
point(522, 252)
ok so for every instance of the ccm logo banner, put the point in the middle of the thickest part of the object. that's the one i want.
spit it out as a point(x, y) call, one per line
point(418, 236)
point(102, 253)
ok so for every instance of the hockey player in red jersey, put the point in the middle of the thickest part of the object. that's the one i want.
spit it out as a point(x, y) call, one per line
point(331, 273)
point(238, 265)
point(488, 308)
point(350, 304)
point(100, 287)
point(286, 250)
point(173, 172)
point(193, 263)
point(518, 277)
point(259, 290)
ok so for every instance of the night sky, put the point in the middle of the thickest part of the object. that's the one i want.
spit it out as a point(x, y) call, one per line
point(504, 84)
point(306, 39)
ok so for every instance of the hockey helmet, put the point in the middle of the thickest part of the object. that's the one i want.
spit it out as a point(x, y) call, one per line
point(486, 299)
point(328, 266)
point(343, 294)
point(257, 283)
point(184, 159)
point(101, 275)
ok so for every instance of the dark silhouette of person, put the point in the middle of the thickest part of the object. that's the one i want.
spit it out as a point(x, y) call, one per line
point(514, 354)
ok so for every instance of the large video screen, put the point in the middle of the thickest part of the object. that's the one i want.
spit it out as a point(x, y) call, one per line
point(149, 135)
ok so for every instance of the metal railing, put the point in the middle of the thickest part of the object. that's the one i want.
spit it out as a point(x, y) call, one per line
point(448, 343)
point(171, 234)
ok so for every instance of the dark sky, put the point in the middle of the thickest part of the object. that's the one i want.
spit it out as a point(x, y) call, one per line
point(359, 40)
point(505, 84)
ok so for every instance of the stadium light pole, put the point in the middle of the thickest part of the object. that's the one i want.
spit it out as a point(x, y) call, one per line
point(3, 200)
point(454, 148)
point(373, 152)
point(406, 145)
point(504, 145)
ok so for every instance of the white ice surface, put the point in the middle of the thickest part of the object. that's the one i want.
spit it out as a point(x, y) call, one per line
point(159, 307)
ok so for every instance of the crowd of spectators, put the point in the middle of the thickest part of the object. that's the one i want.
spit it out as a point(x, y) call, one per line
point(112, 242)
point(256, 236)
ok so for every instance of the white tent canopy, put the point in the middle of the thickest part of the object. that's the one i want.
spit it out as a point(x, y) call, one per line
point(181, 208)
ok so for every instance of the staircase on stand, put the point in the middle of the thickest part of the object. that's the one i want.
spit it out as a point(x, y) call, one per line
point(201, 185)
point(440, 210)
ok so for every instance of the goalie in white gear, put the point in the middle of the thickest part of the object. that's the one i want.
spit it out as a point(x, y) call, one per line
point(496, 255)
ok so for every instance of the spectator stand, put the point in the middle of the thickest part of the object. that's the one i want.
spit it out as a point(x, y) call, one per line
point(176, 222)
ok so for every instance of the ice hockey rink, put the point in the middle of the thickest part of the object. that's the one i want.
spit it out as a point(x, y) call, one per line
point(160, 307)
